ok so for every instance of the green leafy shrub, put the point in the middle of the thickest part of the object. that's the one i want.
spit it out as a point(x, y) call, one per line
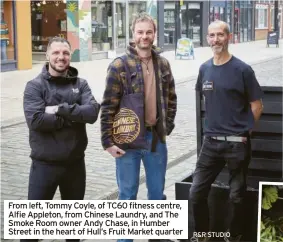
point(271, 228)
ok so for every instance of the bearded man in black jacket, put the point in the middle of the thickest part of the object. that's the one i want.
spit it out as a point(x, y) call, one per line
point(57, 106)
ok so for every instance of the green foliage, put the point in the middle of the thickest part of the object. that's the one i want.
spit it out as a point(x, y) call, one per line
point(270, 196)
point(271, 230)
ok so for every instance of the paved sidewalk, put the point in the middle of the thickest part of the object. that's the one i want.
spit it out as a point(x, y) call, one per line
point(13, 83)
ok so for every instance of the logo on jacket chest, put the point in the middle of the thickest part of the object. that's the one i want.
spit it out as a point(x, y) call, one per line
point(75, 90)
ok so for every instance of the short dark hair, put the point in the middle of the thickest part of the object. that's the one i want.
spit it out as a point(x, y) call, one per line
point(57, 39)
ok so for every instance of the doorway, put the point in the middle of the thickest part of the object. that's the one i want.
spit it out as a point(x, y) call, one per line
point(191, 21)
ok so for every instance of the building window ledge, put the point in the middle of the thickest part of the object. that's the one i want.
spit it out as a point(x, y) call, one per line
point(3, 62)
point(8, 65)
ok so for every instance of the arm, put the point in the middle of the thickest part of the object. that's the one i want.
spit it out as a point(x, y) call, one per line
point(87, 112)
point(34, 110)
point(257, 108)
point(172, 104)
point(254, 93)
point(110, 103)
point(198, 86)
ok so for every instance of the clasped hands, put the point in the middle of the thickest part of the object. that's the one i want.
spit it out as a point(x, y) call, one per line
point(54, 110)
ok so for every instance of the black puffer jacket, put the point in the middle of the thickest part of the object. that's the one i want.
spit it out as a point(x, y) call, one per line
point(60, 137)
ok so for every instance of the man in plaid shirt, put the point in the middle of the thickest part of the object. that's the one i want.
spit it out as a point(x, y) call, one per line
point(150, 74)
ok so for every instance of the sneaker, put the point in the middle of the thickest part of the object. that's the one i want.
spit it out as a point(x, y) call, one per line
point(233, 239)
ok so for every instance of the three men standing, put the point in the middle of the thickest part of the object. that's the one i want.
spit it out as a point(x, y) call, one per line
point(58, 104)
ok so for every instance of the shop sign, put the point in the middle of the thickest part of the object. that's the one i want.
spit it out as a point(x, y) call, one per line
point(273, 38)
point(261, 6)
point(185, 48)
point(194, 6)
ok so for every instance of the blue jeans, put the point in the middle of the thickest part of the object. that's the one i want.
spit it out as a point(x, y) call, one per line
point(128, 172)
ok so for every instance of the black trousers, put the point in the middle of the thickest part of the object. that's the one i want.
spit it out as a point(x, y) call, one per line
point(45, 178)
point(213, 156)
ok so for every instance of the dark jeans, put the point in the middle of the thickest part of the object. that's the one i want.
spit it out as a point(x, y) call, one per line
point(45, 178)
point(213, 156)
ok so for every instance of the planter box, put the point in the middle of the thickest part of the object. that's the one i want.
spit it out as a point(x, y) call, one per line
point(219, 205)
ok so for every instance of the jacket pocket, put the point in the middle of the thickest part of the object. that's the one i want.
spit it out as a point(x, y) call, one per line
point(134, 82)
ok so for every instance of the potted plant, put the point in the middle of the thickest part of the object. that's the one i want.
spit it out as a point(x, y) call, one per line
point(271, 214)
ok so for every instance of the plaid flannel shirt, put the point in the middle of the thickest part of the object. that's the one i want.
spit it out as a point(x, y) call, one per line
point(116, 78)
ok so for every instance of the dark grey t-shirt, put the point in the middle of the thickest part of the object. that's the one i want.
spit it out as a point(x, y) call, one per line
point(228, 90)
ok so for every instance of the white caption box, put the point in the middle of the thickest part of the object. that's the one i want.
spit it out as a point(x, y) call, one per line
point(95, 219)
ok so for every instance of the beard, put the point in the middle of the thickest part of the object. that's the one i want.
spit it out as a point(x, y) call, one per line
point(217, 49)
point(148, 46)
point(60, 71)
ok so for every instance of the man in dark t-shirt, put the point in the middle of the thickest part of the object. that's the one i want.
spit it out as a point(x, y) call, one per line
point(233, 105)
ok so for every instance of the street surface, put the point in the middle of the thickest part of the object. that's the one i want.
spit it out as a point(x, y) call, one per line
point(13, 83)
point(101, 181)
